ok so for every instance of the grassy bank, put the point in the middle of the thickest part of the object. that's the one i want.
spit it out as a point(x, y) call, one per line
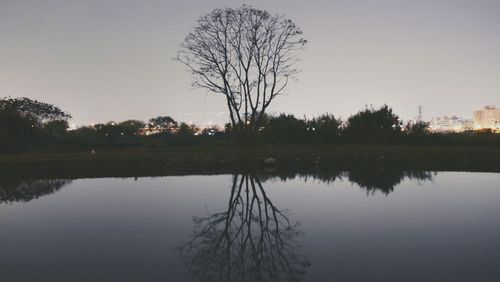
point(178, 160)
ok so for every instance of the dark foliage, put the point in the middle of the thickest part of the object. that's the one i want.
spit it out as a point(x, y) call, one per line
point(373, 126)
point(284, 129)
point(37, 112)
point(324, 129)
point(162, 123)
point(26, 123)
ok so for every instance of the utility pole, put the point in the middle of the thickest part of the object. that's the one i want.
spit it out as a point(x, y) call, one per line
point(420, 109)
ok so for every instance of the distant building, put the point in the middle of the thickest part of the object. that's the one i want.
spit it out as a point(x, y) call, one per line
point(450, 124)
point(487, 118)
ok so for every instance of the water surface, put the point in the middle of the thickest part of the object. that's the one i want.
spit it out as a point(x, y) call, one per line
point(382, 225)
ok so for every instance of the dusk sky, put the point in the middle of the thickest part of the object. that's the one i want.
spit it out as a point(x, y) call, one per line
point(105, 60)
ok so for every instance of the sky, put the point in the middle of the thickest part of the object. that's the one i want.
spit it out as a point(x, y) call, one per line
point(104, 60)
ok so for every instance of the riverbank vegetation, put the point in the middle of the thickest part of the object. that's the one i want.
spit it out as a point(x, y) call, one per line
point(32, 126)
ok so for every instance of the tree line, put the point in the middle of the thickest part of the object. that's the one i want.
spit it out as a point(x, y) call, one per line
point(27, 124)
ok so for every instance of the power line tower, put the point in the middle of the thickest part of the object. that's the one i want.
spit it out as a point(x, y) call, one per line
point(420, 110)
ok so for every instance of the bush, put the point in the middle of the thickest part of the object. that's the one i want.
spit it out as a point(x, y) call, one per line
point(284, 129)
point(373, 126)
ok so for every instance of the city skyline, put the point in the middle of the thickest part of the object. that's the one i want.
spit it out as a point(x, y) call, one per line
point(112, 60)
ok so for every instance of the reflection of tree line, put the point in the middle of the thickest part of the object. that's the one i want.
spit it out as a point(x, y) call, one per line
point(253, 240)
point(385, 180)
point(369, 179)
point(15, 190)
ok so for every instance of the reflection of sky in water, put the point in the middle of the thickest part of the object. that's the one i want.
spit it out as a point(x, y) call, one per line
point(119, 229)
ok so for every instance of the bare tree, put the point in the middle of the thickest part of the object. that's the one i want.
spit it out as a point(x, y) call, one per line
point(248, 55)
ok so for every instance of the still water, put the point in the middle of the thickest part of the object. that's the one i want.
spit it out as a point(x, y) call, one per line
point(349, 226)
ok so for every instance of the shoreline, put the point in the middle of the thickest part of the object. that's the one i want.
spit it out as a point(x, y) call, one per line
point(228, 159)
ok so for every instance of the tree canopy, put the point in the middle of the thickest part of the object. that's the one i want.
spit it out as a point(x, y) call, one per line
point(162, 122)
point(373, 125)
point(37, 112)
point(24, 122)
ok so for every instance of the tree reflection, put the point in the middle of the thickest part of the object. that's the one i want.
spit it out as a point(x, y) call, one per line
point(252, 240)
point(384, 179)
point(16, 190)
point(370, 179)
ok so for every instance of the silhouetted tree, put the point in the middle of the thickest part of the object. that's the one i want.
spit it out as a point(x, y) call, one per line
point(56, 127)
point(22, 122)
point(418, 133)
point(122, 129)
point(131, 127)
point(112, 134)
point(417, 128)
point(85, 137)
point(252, 240)
point(247, 55)
point(284, 129)
point(37, 112)
point(324, 129)
point(373, 126)
point(186, 132)
point(163, 123)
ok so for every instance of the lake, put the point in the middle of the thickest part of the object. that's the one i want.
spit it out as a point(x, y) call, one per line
point(377, 225)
